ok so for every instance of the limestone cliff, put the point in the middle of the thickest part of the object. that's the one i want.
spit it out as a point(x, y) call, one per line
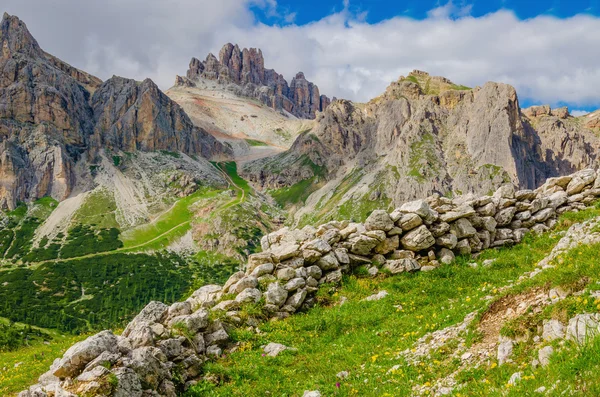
point(49, 119)
point(243, 72)
point(424, 135)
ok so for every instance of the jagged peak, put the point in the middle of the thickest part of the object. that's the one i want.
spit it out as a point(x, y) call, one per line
point(16, 38)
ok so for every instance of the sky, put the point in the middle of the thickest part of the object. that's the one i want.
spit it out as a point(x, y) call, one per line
point(351, 49)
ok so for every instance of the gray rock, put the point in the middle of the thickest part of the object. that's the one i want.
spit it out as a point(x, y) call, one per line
point(448, 241)
point(314, 393)
point(544, 355)
point(273, 349)
point(205, 296)
point(376, 297)
point(505, 350)
point(318, 245)
point(402, 265)
point(342, 256)
point(583, 327)
point(285, 251)
point(286, 274)
point(243, 283)
point(249, 295)
point(379, 220)
point(294, 284)
point(463, 247)
point(421, 208)
point(128, 383)
point(233, 279)
point(462, 211)
point(418, 239)
point(505, 216)
point(154, 312)
point(256, 260)
point(462, 228)
point(214, 351)
point(172, 347)
point(446, 256)
point(553, 329)
point(328, 262)
point(296, 299)
point(439, 229)
point(388, 245)
point(409, 221)
point(276, 295)
point(261, 270)
point(149, 364)
point(80, 354)
point(314, 272)
point(334, 277)
point(194, 322)
point(363, 245)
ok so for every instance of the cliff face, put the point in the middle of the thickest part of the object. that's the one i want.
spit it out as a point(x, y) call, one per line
point(425, 135)
point(49, 119)
point(132, 116)
point(243, 71)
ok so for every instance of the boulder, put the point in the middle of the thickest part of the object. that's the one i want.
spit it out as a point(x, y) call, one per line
point(80, 354)
point(409, 221)
point(286, 251)
point(379, 220)
point(328, 262)
point(363, 245)
point(154, 312)
point(418, 239)
point(446, 256)
point(149, 365)
point(276, 295)
point(242, 284)
point(273, 349)
point(448, 241)
point(583, 327)
point(249, 295)
point(421, 208)
point(505, 216)
point(462, 228)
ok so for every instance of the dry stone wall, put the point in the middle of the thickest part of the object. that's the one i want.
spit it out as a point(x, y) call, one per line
point(163, 349)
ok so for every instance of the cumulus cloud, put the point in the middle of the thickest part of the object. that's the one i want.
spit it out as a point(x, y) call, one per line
point(578, 113)
point(548, 60)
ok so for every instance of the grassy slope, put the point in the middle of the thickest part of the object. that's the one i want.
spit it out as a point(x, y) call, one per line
point(31, 362)
point(173, 223)
point(364, 338)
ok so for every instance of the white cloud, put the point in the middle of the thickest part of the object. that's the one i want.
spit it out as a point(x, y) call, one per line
point(578, 113)
point(549, 60)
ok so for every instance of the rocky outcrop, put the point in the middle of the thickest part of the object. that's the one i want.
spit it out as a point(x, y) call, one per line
point(163, 349)
point(243, 71)
point(131, 116)
point(425, 135)
point(49, 119)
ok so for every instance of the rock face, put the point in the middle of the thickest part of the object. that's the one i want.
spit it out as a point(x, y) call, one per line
point(426, 135)
point(132, 116)
point(49, 119)
point(288, 273)
point(243, 71)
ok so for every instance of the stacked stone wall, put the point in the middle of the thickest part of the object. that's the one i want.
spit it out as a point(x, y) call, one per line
point(164, 347)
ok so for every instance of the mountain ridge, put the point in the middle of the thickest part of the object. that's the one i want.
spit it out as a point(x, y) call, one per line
point(243, 71)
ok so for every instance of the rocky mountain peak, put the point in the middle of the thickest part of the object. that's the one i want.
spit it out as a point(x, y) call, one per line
point(15, 38)
point(244, 72)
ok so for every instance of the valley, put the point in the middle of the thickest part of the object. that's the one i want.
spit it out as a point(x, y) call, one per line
point(393, 245)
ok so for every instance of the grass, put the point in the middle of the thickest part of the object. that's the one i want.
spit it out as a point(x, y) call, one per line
point(297, 193)
point(254, 142)
point(177, 219)
point(31, 362)
point(98, 210)
point(365, 338)
point(230, 168)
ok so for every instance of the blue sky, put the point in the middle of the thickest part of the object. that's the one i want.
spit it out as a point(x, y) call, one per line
point(307, 11)
point(352, 49)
